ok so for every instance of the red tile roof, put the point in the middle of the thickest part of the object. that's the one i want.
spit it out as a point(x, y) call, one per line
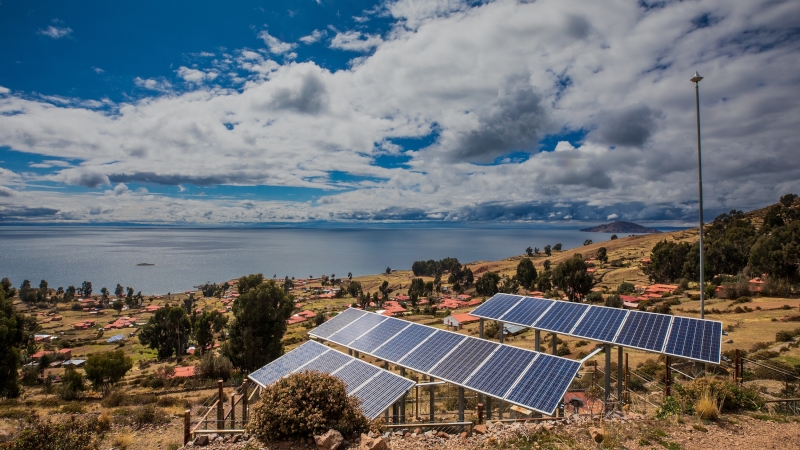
point(464, 318)
point(184, 372)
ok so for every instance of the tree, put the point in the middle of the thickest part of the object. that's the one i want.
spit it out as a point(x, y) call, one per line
point(119, 290)
point(12, 339)
point(587, 242)
point(208, 323)
point(86, 289)
point(557, 247)
point(509, 285)
point(571, 277)
point(613, 237)
point(546, 265)
point(778, 254)
point(251, 281)
point(258, 326)
point(8, 289)
point(547, 250)
point(288, 285)
point(487, 284)
point(529, 251)
point(105, 293)
point(543, 282)
point(625, 288)
point(602, 255)
point(167, 331)
point(117, 305)
point(69, 294)
point(614, 301)
point(213, 367)
point(667, 261)
point(104, 370)
point(354, 288)
point(788, 200)
point(43, 290)
point(388, 270)
point(526, 273)
point(26, 294)
point(349, 275)
point(468, 276)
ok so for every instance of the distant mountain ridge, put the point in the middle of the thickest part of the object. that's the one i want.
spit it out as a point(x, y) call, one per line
point(621, 226)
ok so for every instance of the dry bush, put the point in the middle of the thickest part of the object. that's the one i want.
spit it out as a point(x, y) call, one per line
point(304, 404)
point(148, 415)
point(123, 441)
point(732, 397)
point(71, 434)
point(708, 406)
point(104, 421)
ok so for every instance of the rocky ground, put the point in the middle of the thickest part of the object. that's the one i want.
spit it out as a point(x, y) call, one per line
point(742, 432)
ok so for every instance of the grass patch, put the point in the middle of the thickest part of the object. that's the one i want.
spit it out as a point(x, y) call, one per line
point(700, 428)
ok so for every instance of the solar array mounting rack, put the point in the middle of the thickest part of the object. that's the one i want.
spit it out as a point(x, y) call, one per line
point(378, 389)
point(686, 337)
point(529, 379)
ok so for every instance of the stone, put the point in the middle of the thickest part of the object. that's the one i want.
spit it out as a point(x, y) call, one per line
point(419, 430)
point(374, 443)
point(492, 441)
point(479, 429)
point(407, 434)
point(201, 440)
point(464, 435)
point(331, 440)
point(597, 434)
point(442, 435)
point(547, 426)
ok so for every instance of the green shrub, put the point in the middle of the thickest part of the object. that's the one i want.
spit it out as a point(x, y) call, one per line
point(669, 407)
point(783, 336)
point(594, 297)
point(563, 350)
point(734, 397)
point(148, 415)
point(114, 399)
point(213, 367)
point(73, 408)
point(72, 384)
point(304, 404)
point(71, 434)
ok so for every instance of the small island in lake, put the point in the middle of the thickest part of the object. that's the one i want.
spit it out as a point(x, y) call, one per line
point(145, 264)
point(621, 227)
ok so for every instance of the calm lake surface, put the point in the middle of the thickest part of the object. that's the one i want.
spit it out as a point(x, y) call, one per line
point(186, 257)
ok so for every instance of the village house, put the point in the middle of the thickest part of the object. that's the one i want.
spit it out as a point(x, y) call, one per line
point(457, 321)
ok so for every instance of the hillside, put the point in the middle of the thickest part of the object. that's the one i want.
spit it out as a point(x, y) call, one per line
point(621, 226)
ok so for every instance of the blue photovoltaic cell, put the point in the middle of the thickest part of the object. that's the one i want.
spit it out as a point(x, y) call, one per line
point(600, 324)
point(495, 307)
point(327, 362)
point(644, 330)
point(695, 338)
point(501, 371)
point(355, 374)
point(336, 323)
point(527, 311)
point(561, 317)
point(464, 360)
point(360, 326)
point(381, 392)
point(288, 363)
point(399, 346)
point(543, 385)
point(379, 335)
point(116, 338)
point(431, 351)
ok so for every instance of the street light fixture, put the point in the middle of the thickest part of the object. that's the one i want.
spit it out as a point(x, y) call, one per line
point(696, 80)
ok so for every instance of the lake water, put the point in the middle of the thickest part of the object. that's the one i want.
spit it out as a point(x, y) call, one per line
point(186, 257)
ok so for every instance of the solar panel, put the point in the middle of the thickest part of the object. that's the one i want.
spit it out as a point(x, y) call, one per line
point(545, 382)
point(432, 351)
point(355, 374)
point(600, 323)
point(561, 317)
point(327, 362)
point(336, 323)
point(381, 392)
point(355, 329)
point(495, 307)
point(696, 339)
point(116, 338)
point(379, 335)
point(396, 348)
point(500, 371)
point(288, 363)
point(457, 366)
point(643, 330)
point(527, 311)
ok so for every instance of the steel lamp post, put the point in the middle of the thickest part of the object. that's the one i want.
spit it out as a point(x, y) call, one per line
point(696, 80)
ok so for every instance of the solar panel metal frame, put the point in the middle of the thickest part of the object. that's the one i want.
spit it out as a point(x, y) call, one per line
point(351, 332)
point(508, 316)
point(383, 332)
point(314, 348)
point(702, 321)
point(590, 316)
point(630, 316)
point(345, 322)
point(477, 350)
point(552, 310)
point(497, 298)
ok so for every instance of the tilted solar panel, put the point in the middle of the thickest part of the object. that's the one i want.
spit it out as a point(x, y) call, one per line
point(495, 307)
point(600, 323)
point(465, 358)
point(561, 317)
point(379, 335)
point(544, 384)
point(396, 348)
point(496, 376)
point(327, 362)
point(381, 392)
point(424, 357)
point(643, 330)
point(527, 311)
point(355, 329)
point(695, 339)
point(355, 374)
point(336, 323)
point(288, 363)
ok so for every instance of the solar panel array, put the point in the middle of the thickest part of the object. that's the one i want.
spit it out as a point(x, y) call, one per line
point(484, 366)
point(695, 339)
point(378, 389)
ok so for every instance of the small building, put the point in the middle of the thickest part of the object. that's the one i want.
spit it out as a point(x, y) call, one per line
point(307, 314)
point(183, 372)
point(457, 321)
point(295, 319)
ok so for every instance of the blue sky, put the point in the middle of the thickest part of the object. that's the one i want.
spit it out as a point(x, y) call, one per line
point(396, 110)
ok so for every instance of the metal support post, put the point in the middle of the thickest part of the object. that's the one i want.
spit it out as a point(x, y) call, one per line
point(627, 381)
point(430, 391)
point(460, 404)
point(500, 331)
point(619, 377)
point(488, 408)
point(480, 328)
point(555, 343)
point(499, 409)
point(537, 338)
point(667, 377)
point(607, 393)
point(355, 354)
point(480, 413)
point(245, 413)
point(403, 399)
point(416, 398)
point(220, 407)
point(350, 351)
point(233, 412)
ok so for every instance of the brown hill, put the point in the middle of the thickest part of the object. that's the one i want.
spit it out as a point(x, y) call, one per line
point(621, 226)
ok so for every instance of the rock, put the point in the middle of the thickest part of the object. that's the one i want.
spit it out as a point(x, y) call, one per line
point(331, 440)
point(370, 434)
point(479, 429)
point(464, 435)
point(419, 430)
point(201, 440)
point(442, 435)
point(407, 435)
point(491, 441)
point(597, 434)
point(729, 341)
point(374, 443)
point(547, 426)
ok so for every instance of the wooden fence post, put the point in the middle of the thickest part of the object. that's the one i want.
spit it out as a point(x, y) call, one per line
point(480, 413)
point(220, 407)
point(244, 402)
point(187, 424)
point(233, 411)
